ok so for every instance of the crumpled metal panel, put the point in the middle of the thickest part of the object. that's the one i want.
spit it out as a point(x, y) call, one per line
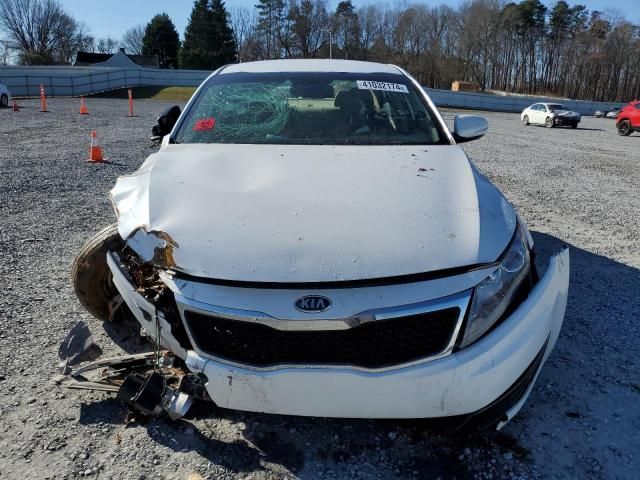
point(288, 213)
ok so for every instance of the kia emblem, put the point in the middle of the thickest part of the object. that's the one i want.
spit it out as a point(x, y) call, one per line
point(313, 303)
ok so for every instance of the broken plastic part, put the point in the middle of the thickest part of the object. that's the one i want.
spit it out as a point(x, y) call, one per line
point(166, 361)
point(195, 362)
point(178, 405)
point(153, 247)
point(143, 393)
point(150, 395)
point(143, 276)
point(143, 385)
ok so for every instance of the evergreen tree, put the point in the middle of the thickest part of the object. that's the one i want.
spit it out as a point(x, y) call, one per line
point(208, 39)
point(347, 27)
point(161, 38)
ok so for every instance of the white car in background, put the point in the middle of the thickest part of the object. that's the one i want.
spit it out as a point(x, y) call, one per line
point(311, 239)
point(550, 115)
point(613, 113)
point(5, 96)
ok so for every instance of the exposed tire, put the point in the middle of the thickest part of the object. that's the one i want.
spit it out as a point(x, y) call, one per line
point(91, 277)
point(4, 101)
point(574, 125)
point(525, 120)
point(624, 128)
point(548, 122)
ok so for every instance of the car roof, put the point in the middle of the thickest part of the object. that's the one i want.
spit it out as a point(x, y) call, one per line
point(306, 65)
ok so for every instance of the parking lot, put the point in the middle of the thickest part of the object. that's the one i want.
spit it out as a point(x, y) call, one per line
point(577, 187)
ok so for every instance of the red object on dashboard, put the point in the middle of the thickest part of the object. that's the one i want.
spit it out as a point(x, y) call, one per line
point(204, 124)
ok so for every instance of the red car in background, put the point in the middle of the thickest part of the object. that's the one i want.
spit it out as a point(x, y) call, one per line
point(628, 119)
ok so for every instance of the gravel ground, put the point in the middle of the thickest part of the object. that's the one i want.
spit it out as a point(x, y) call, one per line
point(578, 187)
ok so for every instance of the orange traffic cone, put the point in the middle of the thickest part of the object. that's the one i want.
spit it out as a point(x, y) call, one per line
point(43, 99)
point(95, 153)
point(83, 107)
point(15, 106)
point(131, 104)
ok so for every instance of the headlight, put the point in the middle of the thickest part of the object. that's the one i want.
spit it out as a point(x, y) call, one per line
point(494, 294)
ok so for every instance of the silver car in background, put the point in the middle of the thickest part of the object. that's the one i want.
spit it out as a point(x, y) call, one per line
point(5, 96)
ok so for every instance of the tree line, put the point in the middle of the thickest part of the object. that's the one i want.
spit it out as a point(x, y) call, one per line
point(523, 47)
point(41, 32)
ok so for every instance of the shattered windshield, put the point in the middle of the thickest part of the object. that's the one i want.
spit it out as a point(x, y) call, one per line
point(555, 107)
point(309, 108)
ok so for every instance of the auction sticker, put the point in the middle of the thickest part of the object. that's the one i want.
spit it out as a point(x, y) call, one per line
point(386, 86)
point(204, 124)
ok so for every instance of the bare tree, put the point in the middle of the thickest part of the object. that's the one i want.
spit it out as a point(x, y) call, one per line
point(77, 39)
point(5, 53)
point(371, 28)
point(107, 45)
point(478, 38)
point(40, 30)
point(309, 21)
point(132, 40)
point(525, 46)
point(243, 23)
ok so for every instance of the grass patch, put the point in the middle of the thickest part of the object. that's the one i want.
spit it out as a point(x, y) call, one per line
point(178, 94)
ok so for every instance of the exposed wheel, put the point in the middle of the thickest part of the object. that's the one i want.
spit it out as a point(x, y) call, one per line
point(574, 125)
point(92, 280)
point(548, 122)
point(4, 100)
point(624, 128)
point(525, 120)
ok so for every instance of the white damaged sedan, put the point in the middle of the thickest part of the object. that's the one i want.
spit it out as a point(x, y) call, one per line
point(550, 115)
point(310, 239)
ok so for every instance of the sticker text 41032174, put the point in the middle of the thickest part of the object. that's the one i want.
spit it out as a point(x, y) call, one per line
point(386, 86)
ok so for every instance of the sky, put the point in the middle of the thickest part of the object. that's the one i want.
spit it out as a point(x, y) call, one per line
point(114, 17)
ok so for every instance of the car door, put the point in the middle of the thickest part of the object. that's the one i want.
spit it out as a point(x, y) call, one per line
point(635, 115)
point(540, 113)
point(533, 113)
point(544, 113)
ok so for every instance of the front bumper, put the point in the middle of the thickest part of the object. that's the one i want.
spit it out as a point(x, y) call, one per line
point(468, 381)
point(563, 121)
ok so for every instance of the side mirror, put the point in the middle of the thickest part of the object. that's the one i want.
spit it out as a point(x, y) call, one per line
point(469, 127)
point(166, 121)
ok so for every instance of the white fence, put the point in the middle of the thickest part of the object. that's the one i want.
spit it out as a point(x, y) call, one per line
point(76, 81)
point(496, 103)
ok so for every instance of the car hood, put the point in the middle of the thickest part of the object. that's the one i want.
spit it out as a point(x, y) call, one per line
point(288, 213)
point(566, 113)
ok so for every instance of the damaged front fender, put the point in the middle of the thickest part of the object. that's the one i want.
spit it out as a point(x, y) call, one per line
point(130, 199)
point(153, 247)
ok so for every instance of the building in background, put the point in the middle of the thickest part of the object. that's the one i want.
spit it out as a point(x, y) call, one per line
point(119, 59)
point(462, 86)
